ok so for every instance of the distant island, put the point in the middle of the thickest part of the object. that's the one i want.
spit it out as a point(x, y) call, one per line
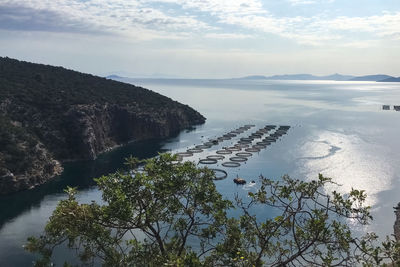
point(391, 80)
point(287, 77)
point(114, 77)
point(376, 78)
point(333, 77)
point(50, 114)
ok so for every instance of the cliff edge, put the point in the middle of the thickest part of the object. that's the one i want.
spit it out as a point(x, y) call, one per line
point(50, 114)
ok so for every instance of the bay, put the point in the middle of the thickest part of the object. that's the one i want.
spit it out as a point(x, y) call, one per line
point(337, 128)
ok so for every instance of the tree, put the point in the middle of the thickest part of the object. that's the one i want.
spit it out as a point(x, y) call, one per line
point(151, 216)
point(311, 229)
point(166, 203)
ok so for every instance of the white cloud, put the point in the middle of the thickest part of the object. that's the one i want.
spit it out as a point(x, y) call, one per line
point(308, 2)
point(312, 30)
point(225, 19)
point(386, 25)
point(301, 2)
point(217, 7)
point(227, 36)
point(115, 16)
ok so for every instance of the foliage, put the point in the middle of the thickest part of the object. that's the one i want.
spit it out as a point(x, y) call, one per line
point(16, 147)
point(40, 99)
point(48, 87)
point(150, 217)
point(311, 228)
point(166, 204)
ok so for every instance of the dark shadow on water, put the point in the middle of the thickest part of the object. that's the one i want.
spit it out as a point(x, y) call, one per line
point(76, 174)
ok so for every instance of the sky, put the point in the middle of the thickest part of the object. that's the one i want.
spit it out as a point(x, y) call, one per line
point(205, 38)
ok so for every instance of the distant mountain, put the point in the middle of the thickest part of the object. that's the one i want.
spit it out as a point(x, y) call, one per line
point(118, 74)
point(114, 77)
point(337, 77)
point(378, 77)
point(333, 77)
point(392, 79)
point(293, 77)
point(254, 77)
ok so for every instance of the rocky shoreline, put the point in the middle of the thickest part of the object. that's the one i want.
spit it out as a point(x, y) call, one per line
point(50, 115)
point(95, 129)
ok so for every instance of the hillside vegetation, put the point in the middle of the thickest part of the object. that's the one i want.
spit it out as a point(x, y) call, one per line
point(68, 115)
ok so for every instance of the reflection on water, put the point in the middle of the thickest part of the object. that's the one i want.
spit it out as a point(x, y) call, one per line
point(353, 162)
point(338, 129)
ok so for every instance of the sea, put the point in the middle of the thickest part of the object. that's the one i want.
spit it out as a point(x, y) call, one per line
point(338, 129)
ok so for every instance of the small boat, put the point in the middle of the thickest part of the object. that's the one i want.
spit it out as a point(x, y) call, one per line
point(238, 180)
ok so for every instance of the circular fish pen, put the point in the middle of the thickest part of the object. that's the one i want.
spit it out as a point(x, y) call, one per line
point(263, 130)
point(270, 126)
point(194, 150)
point(244, 154)
point(238, 159)
point(252, 149)
point(216, 157)
point(241, 145)
point(211, 143)
point(184, 154)
point(221, 174)
point(233, 148)
point(208, 161)
point(263, 143)
point(231, 164)
point(241, 142)
point(204, 146)
point(259, 146)
point(223, 152)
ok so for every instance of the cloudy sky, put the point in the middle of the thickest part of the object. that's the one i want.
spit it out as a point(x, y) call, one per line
point(205, 38)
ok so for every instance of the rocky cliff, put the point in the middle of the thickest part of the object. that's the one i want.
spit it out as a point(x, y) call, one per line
point(50, 114)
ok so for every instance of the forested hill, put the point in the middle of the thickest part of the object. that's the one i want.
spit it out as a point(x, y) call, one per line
point(50, 114)
point(49, 87)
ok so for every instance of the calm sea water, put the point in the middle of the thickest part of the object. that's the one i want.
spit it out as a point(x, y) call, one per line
point(337, 128)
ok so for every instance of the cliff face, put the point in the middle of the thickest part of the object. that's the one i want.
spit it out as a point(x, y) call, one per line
point(50, 114)
point(97, 128)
